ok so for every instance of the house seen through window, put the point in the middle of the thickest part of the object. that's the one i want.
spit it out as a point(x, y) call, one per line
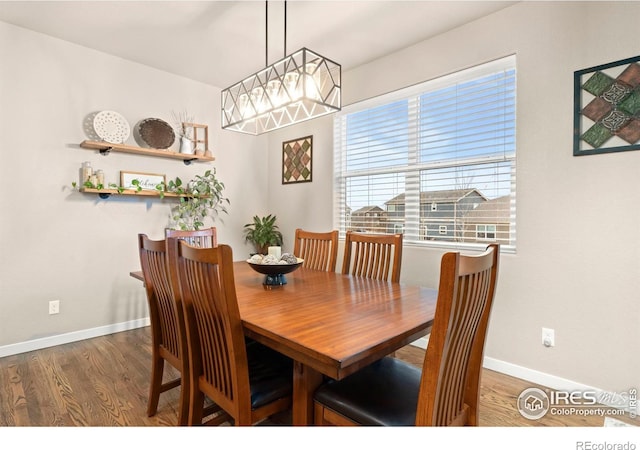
point(434, 161)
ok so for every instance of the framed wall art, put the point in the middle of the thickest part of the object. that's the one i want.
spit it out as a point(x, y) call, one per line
point(606, 114)
point(146, 181)
point(297, 156)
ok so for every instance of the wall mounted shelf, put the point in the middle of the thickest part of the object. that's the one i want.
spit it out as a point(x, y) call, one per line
point(106, 193)
point(105, 148)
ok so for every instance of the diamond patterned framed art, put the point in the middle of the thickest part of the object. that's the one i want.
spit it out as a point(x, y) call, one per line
point(296, 160)
point(606, 113)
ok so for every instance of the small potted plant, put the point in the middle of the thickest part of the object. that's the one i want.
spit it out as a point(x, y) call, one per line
point(262, 233)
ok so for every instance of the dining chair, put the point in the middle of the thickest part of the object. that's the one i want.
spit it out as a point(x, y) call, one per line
point(206, 237)
point(167, 332)
point(319, 250)
point(446, 391)
point(250, 382)
point(377, 256)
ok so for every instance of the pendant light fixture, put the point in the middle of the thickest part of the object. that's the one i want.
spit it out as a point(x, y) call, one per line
point(299, 87)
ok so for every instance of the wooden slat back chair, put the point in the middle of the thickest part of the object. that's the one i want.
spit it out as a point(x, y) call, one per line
point(196, 238)
point(446, 391)
point(167, 329)
point(248, 381)
point(319, 250)
point(377, 256)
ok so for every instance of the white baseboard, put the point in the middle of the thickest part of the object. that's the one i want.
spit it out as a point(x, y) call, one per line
point(535, 376)
point(550, 381)
point(422, 342)
point(50, 341)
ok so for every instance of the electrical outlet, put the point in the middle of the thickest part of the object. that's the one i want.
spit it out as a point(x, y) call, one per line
point(548, 337)
point(54, 307)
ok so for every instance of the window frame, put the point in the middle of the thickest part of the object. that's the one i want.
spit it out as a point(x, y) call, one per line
point(420, 229)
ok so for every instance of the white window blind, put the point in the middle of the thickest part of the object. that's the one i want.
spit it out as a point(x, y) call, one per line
point(435, 161)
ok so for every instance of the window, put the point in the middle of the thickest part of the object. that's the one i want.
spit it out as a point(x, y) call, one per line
point(486, 232)
point(437, 156)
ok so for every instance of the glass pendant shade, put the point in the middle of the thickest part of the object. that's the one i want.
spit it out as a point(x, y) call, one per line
point(299, 87)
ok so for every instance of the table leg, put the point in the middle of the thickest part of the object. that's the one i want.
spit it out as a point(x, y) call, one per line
point(305, 382)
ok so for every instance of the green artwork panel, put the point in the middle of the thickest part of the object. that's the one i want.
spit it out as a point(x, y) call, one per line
point(597, 135)
point(609, 119)
point(598, 83)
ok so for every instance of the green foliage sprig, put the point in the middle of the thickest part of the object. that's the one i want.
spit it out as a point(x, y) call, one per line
point(204, 197)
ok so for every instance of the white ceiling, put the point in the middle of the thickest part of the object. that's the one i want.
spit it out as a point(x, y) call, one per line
point(220, 42)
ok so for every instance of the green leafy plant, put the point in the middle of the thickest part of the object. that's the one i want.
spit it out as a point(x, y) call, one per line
point(199, 198)
point(262, 233)
point(204, 197)
point(89, 185)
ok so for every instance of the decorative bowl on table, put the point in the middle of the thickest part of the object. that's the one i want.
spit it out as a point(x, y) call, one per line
point(273, 268)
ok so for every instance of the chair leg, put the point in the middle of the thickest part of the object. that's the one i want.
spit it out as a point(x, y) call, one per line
point(183, 413)
point(195, 405)
point(155, 387)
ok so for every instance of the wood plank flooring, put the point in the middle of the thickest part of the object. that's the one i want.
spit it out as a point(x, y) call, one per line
point(104, 382)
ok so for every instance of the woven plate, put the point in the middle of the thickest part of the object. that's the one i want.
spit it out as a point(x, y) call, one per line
point(111, 127)
point(156, 133)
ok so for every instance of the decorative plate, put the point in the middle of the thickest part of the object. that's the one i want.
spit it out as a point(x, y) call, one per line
point(111, 127)
point(156, 133)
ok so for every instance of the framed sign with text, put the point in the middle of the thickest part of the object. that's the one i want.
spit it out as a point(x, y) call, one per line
point(146, 181)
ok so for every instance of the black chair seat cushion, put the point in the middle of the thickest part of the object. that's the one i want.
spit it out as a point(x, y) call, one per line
point(383, 393)
point(270, 374)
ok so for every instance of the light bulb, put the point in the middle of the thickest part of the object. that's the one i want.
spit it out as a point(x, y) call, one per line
point(273, 92)
point(291, 83)
point(312, 81)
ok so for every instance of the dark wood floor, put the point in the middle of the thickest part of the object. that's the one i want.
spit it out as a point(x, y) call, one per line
point(104, 382)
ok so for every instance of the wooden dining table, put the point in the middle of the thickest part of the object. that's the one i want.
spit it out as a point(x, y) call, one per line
point(328, 323)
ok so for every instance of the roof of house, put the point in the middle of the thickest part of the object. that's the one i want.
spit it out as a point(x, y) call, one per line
point(491, 211)
point(444, 196)
point(367, 209)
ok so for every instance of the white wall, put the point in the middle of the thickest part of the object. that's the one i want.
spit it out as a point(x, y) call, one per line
point(577, 266)
point(59, 244)
point(303, 205)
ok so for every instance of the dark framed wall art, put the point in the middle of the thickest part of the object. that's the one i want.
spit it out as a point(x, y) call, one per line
point(606, 114)
point(297, 158)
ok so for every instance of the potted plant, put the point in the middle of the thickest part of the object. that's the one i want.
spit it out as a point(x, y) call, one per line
point(204, 198)
point(262, 233)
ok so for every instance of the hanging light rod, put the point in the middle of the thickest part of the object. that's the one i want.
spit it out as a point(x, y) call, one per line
point(301, 86)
